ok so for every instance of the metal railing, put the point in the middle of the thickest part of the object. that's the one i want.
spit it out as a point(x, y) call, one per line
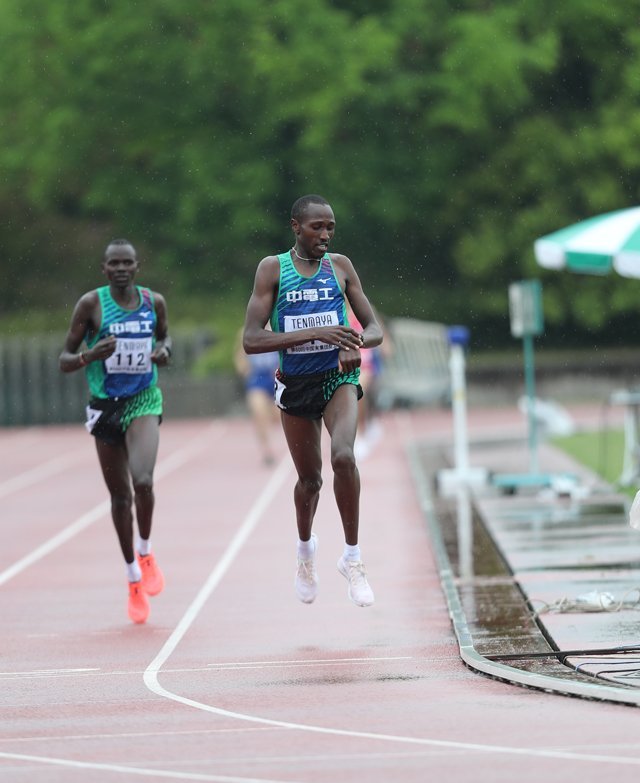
point(34, 391)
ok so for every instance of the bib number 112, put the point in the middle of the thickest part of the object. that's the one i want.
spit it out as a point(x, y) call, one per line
point(131, 357)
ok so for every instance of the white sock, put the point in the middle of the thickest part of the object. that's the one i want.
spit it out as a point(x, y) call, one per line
point(134, 574)
point(144, 546)
point(306, 549)
point(351, 552)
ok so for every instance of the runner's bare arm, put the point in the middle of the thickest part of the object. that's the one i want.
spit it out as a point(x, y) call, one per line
point(84, 320)
point(371, 330)
point(162, 350)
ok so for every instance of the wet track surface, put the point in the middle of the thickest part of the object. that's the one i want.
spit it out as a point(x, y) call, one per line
point(547, 584)
point(234, 680)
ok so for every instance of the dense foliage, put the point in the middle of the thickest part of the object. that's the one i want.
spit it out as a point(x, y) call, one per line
point(447, 136)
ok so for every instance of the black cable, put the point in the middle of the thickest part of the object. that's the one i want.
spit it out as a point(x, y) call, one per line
point(579, 668)
point(621, 674)
point(563, 654)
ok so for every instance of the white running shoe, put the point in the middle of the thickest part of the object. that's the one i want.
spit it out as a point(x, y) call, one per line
point(306, 577)
point(359, 590)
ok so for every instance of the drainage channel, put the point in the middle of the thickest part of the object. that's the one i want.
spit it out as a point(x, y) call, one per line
point(496, 630)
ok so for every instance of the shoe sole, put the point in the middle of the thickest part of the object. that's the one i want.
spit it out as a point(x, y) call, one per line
point(351, 598)
point(139, 617)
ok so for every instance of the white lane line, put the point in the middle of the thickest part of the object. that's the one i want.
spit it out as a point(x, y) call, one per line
point(130, 770)
point(40, 472)
point(296, 664)
point(43, 673)
point(210, 667)
point(237, 542)
point(97, 512)
point(294, 661)
point(167, 466)
point(132, 734)
point(151, 674)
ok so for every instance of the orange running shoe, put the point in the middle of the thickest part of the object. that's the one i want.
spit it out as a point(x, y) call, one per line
point(152, 577)
point(138, 603)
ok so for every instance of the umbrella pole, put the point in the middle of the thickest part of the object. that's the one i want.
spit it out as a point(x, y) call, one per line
point(525, 308)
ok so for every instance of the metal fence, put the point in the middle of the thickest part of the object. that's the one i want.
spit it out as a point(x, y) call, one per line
point(34, 391)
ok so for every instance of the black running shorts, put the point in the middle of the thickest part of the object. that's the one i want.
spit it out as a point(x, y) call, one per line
point(307, 395)
point(108, 419)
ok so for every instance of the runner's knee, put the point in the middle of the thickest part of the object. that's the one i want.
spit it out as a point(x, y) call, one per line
point(343, 460)
point(143, 485)
point(310, 485)
point(121, 499)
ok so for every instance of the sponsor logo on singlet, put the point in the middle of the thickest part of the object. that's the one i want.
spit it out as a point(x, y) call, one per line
point(310, 295)
point(132, 327)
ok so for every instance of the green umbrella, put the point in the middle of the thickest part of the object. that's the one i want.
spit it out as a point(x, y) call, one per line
point(595, 246)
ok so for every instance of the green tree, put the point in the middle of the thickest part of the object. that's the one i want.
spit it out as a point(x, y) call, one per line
point(447, 136)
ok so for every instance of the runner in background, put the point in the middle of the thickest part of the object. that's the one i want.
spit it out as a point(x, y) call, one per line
point(257, 371)
point(369, 428)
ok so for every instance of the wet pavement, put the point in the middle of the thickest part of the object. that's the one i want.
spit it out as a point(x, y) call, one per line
point(543, 584)
point(232, 678)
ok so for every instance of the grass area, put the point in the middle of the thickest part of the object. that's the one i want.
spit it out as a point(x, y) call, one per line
point(600, 451)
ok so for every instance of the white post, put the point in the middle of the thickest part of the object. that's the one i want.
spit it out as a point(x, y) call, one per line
point(459, 406)
point(461, 474)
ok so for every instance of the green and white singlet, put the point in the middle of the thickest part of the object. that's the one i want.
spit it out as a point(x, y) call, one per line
point(128, 376)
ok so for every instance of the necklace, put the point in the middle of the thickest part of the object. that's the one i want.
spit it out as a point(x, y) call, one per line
point(302, 258)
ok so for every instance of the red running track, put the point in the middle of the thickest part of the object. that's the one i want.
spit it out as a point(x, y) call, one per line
point(232, 679)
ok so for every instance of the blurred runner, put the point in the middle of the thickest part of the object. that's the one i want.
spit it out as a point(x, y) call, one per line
point(257, 371)
point(369, 428)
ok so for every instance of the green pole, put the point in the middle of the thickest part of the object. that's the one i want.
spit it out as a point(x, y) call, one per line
point(530, 389)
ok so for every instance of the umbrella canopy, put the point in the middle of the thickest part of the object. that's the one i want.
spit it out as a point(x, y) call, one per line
point(595, 246)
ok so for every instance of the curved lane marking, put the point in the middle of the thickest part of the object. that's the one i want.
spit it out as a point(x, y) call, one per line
point(215, 577)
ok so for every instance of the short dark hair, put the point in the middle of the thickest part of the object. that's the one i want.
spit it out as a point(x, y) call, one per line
point(302, 204)
point(119, 242)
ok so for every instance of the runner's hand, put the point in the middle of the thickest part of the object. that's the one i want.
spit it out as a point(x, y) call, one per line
point(349, 343)
point(349, 360)
point(102, 349)
point(161, 356)
point(344, 337)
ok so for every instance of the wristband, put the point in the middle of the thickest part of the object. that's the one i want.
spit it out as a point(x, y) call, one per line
point(83, 361)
